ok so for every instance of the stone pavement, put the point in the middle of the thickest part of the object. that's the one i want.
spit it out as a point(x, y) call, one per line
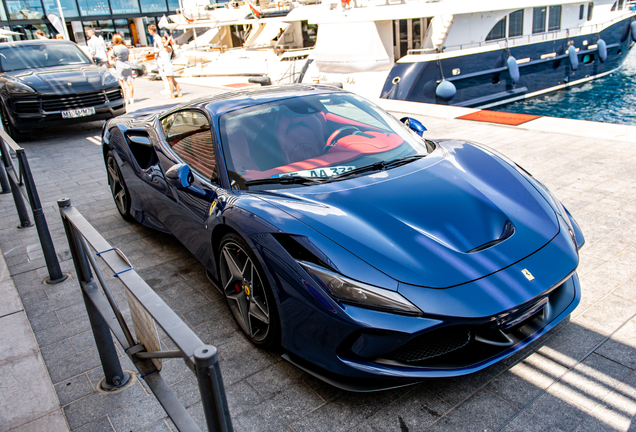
point(579, 377)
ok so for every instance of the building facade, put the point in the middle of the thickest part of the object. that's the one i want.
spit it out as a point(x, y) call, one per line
point(129, 18)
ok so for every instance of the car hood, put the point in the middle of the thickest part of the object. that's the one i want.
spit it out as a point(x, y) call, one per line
point(455, 216)
point(63, 79)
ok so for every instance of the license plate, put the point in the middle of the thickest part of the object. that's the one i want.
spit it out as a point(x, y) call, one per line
point(82, 112)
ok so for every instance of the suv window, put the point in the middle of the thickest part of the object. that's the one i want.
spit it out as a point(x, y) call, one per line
point(188, 134)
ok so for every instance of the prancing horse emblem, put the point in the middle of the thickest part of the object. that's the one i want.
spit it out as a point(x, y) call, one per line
point(527, 274)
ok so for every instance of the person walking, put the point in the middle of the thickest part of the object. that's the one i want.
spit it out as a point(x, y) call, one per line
point(165, 59)
point(40, 34)
point(157, 46)
point(97, 48)
point(123, 70)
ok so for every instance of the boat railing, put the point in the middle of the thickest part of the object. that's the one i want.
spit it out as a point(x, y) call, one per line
point(525, 39)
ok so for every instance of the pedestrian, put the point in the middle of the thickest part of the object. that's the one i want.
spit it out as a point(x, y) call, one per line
point(97, 48)
point(165, 59)
point(123, 70)
point(59, 36)
point(40, 34)
point(157, 46)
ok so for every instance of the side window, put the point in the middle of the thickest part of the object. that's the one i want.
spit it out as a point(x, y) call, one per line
point(554, 20)
point(515, 23)
point(188, 134)
point(498, 31)
point(538, 20)
point(581, 11)
point(590, 9)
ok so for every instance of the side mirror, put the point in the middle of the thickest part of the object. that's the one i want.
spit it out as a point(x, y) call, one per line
point(180, 176)
point(262, 80)
point(415, 125)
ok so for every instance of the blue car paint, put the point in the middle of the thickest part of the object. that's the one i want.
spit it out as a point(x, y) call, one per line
point(485, 78)
point(305, 309)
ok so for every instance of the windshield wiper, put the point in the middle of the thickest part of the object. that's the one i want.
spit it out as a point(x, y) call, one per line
point(286, 180)
point(379, 166)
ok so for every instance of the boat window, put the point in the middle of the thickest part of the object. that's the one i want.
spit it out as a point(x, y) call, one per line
point(581, 12)
point(621, 4)
point(554, 21)
point(498, 31)
point(614, 6)
point(515, 23)
point(188, 134)
point(590, 9)
point(538, 20)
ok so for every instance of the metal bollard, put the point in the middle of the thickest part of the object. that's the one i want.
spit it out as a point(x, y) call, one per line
point(52, 264)
point(4, 181)
point(23, 214)
point(217, 413)
point(115, 377)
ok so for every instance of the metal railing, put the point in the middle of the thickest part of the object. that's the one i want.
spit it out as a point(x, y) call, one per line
point(147, 310)
point(20, 181)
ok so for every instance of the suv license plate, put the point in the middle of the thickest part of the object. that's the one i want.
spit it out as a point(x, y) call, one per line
point(82, 112)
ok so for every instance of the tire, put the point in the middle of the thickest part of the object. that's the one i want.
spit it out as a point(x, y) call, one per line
point(248, 292)
point(118, 188)
point(11, 130)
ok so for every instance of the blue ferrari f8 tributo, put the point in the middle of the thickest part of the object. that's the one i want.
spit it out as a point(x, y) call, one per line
point(371, 256)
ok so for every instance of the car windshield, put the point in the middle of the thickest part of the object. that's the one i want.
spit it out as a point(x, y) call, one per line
point(21, 57)
point(317, 137)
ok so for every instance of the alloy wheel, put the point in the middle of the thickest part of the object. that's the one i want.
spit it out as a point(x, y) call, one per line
point(244, 290)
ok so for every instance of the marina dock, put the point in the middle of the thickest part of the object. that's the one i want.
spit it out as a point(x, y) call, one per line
point(581, 376)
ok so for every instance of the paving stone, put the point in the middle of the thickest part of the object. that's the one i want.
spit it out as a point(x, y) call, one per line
point(482, 412)
point(187, 391)
point(616, 412)
point(44, 322)
point(54, 422)
point(621, 347)
point(99, 425)
point(547, 413)
point(62, 331)
point(72, 389)
point(244, 365)
point(590, 382)
point(347, 411)
point(275, 379)
point(526, 380)
point(74, 365)
point(608, 314)
point(277, 412)
point(160, 426)
point(97, 405)
point(58, 351)
point(415, 411)
point(83, 341)
point(138, 415)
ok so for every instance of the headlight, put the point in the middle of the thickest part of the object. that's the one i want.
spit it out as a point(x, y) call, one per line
point(16, 87)
point(108, 78)
point(358, 293)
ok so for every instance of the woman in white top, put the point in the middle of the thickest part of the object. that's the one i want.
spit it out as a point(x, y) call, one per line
point(165, 60)
point(123, 70)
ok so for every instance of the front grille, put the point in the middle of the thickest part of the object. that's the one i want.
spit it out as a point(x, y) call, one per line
point(114, 94)
point(26, 106)
point(432, 344)
point(82, 100)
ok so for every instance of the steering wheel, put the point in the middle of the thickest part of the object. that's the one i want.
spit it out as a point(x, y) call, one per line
point(349, 129)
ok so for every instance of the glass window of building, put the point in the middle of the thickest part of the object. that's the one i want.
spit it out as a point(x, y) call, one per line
point(515, 23)
point(24, 9)
point(153, 5)
point(28, 30)
point(554, 18)
point(93, 7)
point(124, 6)
point(538, 20)
point(173, 5)
point(69, 8)
point(123, 29)
point(108, 30)
point(3, 16)
point(498, 31)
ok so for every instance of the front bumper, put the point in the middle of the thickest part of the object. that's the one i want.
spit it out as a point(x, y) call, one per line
point(27, 113)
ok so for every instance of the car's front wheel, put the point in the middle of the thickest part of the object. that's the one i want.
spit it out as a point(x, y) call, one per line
point(247, 292)
point(11, 130)
point(118, 187)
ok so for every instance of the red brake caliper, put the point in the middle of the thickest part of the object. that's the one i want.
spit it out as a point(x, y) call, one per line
point(237, 287)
